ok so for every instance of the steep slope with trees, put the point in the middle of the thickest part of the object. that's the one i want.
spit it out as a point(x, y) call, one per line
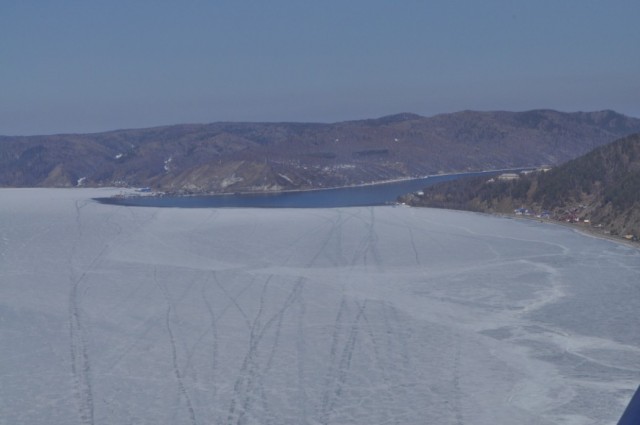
point(601, 187)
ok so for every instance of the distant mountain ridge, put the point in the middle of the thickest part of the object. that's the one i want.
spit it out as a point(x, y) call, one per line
point(601, 188)
point(231, 157)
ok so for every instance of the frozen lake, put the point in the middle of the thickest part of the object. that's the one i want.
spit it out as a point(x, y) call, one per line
point(368, 315)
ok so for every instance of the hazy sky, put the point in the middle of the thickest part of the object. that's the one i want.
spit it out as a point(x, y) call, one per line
point(80, 66)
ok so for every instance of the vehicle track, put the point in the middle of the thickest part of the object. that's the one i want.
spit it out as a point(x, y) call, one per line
point(372, 240)
point(78, 346)
point(250, 371)
point(301, 351)
point(213, 328)
point(253, 364)
point(413, 246)
point(380, 364)
point(182, 390)
point(233, 300)
point(80, 364)
point(118, 309)
point(458, 396)
point(340, 358)
point(249, 384)
point(368, 246)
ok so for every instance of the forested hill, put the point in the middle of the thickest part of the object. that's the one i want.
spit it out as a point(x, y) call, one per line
point(231, 157)
point(600, 189)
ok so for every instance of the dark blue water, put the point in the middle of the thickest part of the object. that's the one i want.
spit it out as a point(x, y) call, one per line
point(377, 194)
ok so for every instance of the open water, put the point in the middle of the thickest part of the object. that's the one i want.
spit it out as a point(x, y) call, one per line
point(369, 195)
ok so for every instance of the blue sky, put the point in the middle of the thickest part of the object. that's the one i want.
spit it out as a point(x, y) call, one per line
point(85, 66)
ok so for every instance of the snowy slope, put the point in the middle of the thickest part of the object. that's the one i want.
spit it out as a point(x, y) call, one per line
point(115, 315)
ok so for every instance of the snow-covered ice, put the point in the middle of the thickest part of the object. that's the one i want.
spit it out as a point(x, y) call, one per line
point(120, 315)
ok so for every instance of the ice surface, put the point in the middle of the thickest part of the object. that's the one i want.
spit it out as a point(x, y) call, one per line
point(116, 315)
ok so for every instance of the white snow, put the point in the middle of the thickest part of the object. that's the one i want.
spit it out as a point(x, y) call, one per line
point(115, 315)
point(284, 176)
point(167, 163)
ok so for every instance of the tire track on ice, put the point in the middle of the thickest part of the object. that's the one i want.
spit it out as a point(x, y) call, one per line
point(413, 246)
point(251, 362)
point(182, 390)
point(250, 382)
point(368, 245)
point(301, 355)
point(372, 240)
point(250, 370)
point(234, 300)
point(397, 331)
point(456, 405)
point(251, 375)
point(80, 364)
point(338, 374)
point(214, 339)
point(78, 347)
point(267, 415)
point(381, 365)
point(337, 330)
point(189, 351)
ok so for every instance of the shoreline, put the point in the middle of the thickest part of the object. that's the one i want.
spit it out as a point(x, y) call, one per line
point(284, 191)
point(586, 231)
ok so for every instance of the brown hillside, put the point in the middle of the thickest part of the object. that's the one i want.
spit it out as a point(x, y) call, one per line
point(230, 157)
